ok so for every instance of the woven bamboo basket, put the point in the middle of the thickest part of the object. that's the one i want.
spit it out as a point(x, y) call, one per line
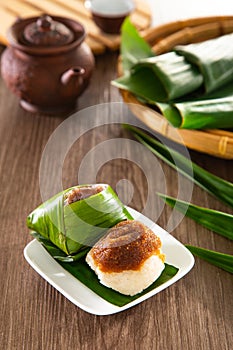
point(218, 143)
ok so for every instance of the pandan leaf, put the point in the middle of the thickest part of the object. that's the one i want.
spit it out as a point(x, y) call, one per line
point(214, 220)
point(221, 189)
point(223, 261)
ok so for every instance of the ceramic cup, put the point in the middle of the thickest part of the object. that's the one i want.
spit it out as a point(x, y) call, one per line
point(109, 15)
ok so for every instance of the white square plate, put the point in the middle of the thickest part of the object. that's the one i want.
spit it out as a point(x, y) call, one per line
point(176, 254)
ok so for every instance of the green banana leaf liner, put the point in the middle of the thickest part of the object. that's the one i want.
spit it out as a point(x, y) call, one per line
point(72, 227)
point(80, 270)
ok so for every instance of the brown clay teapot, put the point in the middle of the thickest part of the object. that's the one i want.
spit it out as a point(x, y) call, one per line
point(47, 64)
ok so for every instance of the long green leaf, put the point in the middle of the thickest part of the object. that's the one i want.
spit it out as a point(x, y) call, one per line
point(77, 266)
point(133, 46)
point(216, 186)
point(214, 220)
point(223, 261)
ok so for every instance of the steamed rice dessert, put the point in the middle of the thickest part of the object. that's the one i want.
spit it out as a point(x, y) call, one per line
point(128, 258)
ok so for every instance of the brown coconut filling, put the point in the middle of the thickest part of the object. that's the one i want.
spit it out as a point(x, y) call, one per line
point(83, 192)
point(126, 246)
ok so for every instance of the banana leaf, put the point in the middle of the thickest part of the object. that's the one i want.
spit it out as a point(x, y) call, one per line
point(172, 77)
point(214, 58)
point(223, 261)
point(192, 113)
point(79, 269)
point(214, 110)
point(221, 189)
point(216, 113)
point(79, 224)
point(219, 222)
point(133, 46)
point(57, 253)
point(171, 113)
point(142, 84)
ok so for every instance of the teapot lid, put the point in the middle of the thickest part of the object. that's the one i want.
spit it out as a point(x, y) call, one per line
point(47, 32)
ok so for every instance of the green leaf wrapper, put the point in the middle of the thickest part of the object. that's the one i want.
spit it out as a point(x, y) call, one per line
point(211, 111)
point(156, 79)
point(80, 224)
point(207, 112)
point(214, 58)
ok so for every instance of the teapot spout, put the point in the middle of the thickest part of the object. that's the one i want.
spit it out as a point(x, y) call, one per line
point(75, 75)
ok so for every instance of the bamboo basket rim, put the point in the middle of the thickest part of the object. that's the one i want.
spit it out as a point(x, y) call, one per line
point(214, 142)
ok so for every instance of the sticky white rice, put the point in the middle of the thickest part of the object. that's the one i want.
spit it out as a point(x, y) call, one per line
point(130, 282)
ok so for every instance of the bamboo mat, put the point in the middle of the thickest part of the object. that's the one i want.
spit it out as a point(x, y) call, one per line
point(218, 143)
point(98, 41)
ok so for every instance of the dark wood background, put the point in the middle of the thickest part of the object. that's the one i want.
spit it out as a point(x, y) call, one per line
point(194, 313)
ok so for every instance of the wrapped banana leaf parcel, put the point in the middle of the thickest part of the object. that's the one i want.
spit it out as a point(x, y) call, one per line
point(70, 223)
point(192, 86)
point(77, 217)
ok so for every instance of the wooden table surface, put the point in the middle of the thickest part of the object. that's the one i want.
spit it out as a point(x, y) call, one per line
point(194, 313)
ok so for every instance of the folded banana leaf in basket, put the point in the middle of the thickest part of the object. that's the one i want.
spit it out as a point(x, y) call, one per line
point(210, 111)
point(172, 77)
point(214, 58)
point(77, 217)
point(192, 85)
